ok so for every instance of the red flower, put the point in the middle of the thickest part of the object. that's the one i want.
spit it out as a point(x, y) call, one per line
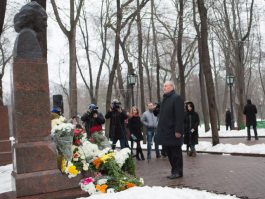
point(75, 155)
point(95, 128)
point(77, 142)
point(78, 131)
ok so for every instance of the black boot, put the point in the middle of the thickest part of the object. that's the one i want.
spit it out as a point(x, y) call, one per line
point(187, 150)
point(137, 154)
point(141, 153)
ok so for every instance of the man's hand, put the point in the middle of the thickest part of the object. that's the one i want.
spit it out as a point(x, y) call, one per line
point(178, 135)
point(95, 115)
point(192, 130)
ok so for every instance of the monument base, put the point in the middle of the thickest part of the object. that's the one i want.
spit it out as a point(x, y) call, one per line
point(64, 194)
point(5, 144)
point(37, 183)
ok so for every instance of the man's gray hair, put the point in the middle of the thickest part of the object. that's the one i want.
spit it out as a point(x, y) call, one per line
point(170, 83)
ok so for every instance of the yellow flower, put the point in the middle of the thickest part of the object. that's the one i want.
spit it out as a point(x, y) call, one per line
point(63, 165)
point(72, 170)
point(104, 158)
point(102, 188)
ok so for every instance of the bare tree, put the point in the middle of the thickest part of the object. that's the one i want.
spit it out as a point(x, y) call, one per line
point(205, 62)
point(203, 92)
point(238, 38)
point(103, 31)
point(2, 14)
point(158, 65)
point(71, 36)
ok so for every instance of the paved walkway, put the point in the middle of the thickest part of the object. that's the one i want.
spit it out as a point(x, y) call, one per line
point(237, 175)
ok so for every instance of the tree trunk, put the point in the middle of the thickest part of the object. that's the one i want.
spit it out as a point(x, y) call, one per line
point(205, 62)
point(179, 52)
point(205, 109)
point(116, 55)
point(2, 14)
point(140, 51)
point(156, 52)
point(72, 76)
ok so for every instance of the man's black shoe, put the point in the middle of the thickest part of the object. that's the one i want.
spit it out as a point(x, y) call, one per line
point(174, 176)
point(158, 156)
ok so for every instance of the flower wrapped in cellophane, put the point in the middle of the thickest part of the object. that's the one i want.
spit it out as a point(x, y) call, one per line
point(62, 134)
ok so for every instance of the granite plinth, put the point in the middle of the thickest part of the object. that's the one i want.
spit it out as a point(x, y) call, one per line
point(4, 126)
point(5, 144)
point(31, 101)
point(64, 194)
point(43, 182)
point(35, 156)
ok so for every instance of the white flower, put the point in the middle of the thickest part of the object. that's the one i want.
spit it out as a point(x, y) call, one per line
point(85, 166)
point(90, 188)
point(141, 180)
point(122, 155)
point(102, 181)
point(110, 190)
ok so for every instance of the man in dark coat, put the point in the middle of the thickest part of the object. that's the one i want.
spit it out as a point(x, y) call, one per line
point(117, 126)
point(250, 111)
point(228, 119)
point(170, 128)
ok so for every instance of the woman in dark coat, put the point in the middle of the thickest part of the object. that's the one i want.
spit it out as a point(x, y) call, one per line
point(135, 128)
point(191, 123)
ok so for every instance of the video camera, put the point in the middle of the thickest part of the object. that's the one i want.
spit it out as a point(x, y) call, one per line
point(92, 108)
point(115, 105)
point(156, 109)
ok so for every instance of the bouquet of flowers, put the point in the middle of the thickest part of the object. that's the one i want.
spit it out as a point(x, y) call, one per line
point(62, 134)
point(117, 173)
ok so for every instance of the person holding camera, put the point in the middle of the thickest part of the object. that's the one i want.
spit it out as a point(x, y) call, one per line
point(93, 120)
point(135, 128)
point(117, 129)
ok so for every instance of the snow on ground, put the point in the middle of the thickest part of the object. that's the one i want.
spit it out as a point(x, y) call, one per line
point(233, 133)
point(161, 192)
point(230, 148)
point(5, 178)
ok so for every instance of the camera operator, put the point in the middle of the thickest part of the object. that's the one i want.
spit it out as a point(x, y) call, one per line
point(93, 120)
point(117, 126)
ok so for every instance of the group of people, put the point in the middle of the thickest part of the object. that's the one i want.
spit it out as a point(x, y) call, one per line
point(169, 124)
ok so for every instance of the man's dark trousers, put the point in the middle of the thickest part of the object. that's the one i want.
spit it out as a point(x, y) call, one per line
point(174, 154)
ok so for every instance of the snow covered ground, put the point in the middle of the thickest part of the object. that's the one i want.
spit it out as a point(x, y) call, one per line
point(161, 192)
point(233, 133)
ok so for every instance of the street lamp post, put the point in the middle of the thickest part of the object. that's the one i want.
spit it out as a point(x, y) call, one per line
point(131, 80)
point(230, 81)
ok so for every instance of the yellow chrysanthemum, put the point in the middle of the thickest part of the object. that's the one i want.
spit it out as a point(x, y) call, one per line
point(104, 158)
point(72, 170)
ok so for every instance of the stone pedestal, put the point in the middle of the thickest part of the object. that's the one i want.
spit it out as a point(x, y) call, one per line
point(34, 154)
point(5, 145)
